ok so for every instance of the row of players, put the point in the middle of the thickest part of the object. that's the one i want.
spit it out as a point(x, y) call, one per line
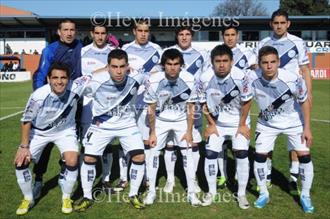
point(144, 56)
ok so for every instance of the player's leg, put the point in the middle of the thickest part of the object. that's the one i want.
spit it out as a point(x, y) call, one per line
point(240, 147)
point(269, 169)
point(264, 139)
point(107, 159)
point(123, 163)
point(170, 159)
point(306, 169)
point(294, 171)
point(95, 141)
point(197, 139)
point(222, 165)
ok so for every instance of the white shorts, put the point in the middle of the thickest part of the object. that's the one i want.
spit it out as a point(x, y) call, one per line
point(197, 137)
point(65, 140)
point(176, 129)
point(96, 139)
point(142, 123)
point(266, 136)
point(214, 142)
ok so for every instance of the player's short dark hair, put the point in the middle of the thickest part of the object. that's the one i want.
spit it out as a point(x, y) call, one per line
point(171, 54)
point(182, 28)
point(92, 28)
point(227, 27)
point(117, 54)
point(59, 66)
point(267, 50)
point(65, 20)
point(280, 12)
point(140, 21)
point(221, 50)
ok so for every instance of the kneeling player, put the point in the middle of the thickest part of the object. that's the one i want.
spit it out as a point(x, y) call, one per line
point(49, 117)
point(284, 108)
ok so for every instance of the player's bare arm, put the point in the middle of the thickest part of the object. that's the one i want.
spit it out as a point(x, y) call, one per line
point(152, 123)
point(243, 129)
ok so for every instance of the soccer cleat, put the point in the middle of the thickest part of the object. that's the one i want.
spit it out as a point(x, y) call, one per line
point(36, 190)
point(168, 188)
point(120, 186)
point(207, 199)
point(262, 200)
point(243, 203)
point(107, 188)
point(24, 207)
point(221, 182)
point(293, 188)
point(306, 204)
point(194, 201)
point(83, 205)
point(197, 188)
point(67, 206)
point(150, 198)
point(136, 202)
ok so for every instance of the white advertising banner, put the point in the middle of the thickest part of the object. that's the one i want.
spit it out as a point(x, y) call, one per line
point(15, 76)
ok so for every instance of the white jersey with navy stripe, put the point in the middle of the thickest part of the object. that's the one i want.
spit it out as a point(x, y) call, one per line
point(50, 113)
point(143, 58)
point(113, 105)
point(224, 96)
point(93, 58)
point(278, 100)
point(243, 58)
point(291, 49)
point(171, 97)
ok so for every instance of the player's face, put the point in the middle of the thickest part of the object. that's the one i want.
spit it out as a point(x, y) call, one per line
point(99, 35)
point(118, 69)
point(184, 39)
point(67, 32)
point(172, 68)
point(141, 33)
point(222, 65)
point(230, 37)
point(58, 81)
point(280, 26)
point(269, 65)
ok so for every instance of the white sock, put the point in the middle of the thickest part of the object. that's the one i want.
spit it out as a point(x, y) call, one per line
point(122, 166)
point(269, 169)
point(242, 170)
point(153, 169)
point(87, 174)
point(70, 178)
point(306, 171)
point(195, 156)
point(211, 169)
point(170, 159)
point(222, 163)
point(24, 180)
point(260, 172)
point(147, 156)
point(106, 166)
point(294, 170)
point(136, 176)
point(188, 167)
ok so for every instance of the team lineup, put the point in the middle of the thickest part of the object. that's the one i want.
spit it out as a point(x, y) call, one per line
point(154, 100)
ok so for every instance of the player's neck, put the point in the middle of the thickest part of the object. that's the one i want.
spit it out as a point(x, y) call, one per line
point(280, 36)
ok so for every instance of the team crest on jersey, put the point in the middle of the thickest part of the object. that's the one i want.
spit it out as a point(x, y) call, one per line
point(133, 91)
point(285, 97)
point(199, 63)
point(241, 63)
point(184, 96)
point(155, 59)
point(234, 93)
point(291, 53)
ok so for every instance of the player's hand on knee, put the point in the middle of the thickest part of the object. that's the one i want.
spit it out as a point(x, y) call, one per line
point(243, 130)
point(188, 138)
point(307, 136)
point(211, 129)
point(23, 157)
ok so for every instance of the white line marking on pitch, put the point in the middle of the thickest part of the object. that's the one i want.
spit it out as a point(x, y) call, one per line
point(11, 115)
point(314, 120)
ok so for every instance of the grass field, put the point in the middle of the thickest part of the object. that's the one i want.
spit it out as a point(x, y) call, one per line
point(13, 97)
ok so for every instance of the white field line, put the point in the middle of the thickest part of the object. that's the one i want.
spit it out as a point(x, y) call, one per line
point(314, 120)
point(11, 115)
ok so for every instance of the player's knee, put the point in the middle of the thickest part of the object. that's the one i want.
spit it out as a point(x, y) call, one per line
point(90, 159)
point(305, 158)
point(241, 154)
point(71, 159)
point(260, 158)
point(211, 154)
point(137, 155)
point(22, 167)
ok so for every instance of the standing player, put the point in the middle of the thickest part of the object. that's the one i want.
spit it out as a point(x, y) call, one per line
point(195, 63)
point(227, 95)
point(93, 57)
point(113, 92)
point(284, 108)
point(50, 117)
point(243, 59)
point(143, 56)
point(66, 50)
point(171, 97)
point(293, 57)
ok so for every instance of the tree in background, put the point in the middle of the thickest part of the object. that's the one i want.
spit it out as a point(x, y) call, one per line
point(306, 7)
point(240, 8)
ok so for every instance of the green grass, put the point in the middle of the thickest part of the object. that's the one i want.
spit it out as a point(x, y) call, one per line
point(282, 205)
